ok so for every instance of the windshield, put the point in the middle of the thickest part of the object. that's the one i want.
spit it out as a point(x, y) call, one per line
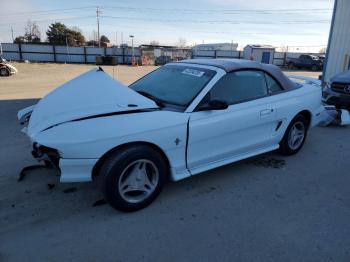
point(174, 84)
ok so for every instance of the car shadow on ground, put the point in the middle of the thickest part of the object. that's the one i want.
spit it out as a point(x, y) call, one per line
point(41, 196)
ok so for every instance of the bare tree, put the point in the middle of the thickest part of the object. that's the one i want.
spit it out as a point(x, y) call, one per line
point(282, 49)
point(32, 32)
point(94, 35)
point(154, 42)
point(182, 42)
point(76, 29)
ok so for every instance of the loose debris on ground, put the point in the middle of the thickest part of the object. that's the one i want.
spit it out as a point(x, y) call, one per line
point(99, 202)
point(70, 190)
point(267, 162)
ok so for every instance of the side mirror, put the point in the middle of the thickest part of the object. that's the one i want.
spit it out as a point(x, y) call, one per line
point(213, 105)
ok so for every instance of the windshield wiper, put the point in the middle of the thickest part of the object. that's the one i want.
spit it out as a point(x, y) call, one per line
point(159, 102)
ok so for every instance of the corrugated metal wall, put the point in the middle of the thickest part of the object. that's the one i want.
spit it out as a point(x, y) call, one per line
point(49, 53)
point(339, 45)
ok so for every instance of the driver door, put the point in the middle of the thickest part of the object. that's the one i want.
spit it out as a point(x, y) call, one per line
point(244, 127)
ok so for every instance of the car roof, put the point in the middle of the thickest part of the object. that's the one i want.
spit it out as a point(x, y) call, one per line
point(229, 65)
point(226, 64)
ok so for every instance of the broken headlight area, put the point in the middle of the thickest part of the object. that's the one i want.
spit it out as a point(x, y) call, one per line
point(25, 119)
point(46, 154)
point(49, 156)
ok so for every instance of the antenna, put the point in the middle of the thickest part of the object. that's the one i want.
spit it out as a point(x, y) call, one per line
point(98, 12)
point(12, 34)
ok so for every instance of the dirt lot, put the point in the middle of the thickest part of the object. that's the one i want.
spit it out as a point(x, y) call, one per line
point(268, 208)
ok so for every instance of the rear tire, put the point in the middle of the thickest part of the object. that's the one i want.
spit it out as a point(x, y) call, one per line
point(294, 137)
point(133, 177)
point(314, 68)
point(4, 72)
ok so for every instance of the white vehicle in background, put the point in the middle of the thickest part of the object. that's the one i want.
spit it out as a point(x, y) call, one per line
point(180, 120)
point(6, 69)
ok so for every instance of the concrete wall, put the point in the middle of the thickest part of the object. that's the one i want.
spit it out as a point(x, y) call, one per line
point(64, 54)
point(338, 54)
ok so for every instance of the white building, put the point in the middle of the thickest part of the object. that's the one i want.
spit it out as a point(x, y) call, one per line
point(216, 47)
point(338, 51)
point(259, 53)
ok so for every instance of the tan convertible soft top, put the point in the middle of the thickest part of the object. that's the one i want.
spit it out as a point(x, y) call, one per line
point(230, 65)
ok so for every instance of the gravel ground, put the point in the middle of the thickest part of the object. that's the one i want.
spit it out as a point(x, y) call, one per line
point(267, 208)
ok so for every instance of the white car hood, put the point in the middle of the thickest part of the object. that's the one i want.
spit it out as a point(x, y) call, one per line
point(90, 94)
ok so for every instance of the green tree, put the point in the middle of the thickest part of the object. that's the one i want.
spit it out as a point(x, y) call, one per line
point(104, 39)
point(59, 34)
point(19, 39)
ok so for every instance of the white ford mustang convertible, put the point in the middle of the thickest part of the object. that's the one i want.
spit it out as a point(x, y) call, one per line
point(180, 120)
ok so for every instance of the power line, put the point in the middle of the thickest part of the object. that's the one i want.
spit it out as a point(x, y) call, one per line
point(219, 21)
point(152, 29)
point(48, 20)
point(255, 11)
point(49, 11)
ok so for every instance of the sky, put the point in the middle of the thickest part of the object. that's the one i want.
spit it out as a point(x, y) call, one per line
point(293, 23)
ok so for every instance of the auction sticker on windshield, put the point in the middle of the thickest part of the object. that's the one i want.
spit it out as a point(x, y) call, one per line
point(193, 72)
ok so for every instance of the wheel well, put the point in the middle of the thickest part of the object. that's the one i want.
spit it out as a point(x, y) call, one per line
point(97, 167)
point(307, 115)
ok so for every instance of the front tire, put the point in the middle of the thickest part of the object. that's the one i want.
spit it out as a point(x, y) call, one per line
point(294, 137)
point(4, 72)
point(133, 177)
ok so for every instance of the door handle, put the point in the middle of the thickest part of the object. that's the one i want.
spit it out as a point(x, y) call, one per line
point(266, 112)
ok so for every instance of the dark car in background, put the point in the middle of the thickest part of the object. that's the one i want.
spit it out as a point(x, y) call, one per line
point(311, 62)
point(162, 60)
point(337, 91)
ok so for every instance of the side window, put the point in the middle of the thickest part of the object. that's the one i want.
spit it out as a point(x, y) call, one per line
point(272, 85)
point(240, 86)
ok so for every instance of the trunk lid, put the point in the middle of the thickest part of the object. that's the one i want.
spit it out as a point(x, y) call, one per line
point(90, 94)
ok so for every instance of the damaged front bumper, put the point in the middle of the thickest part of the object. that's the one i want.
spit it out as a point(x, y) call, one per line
point(46, 154)
point(70, 170)
point(337, 99)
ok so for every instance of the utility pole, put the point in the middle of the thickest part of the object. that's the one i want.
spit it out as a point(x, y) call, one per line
point(116, 38)
point(132, 49)
point(12, 34)
point(98, 12)
point(121, 37)
point(67, 48)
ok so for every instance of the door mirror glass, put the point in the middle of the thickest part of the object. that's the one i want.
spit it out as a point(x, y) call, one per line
point(214, 105)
